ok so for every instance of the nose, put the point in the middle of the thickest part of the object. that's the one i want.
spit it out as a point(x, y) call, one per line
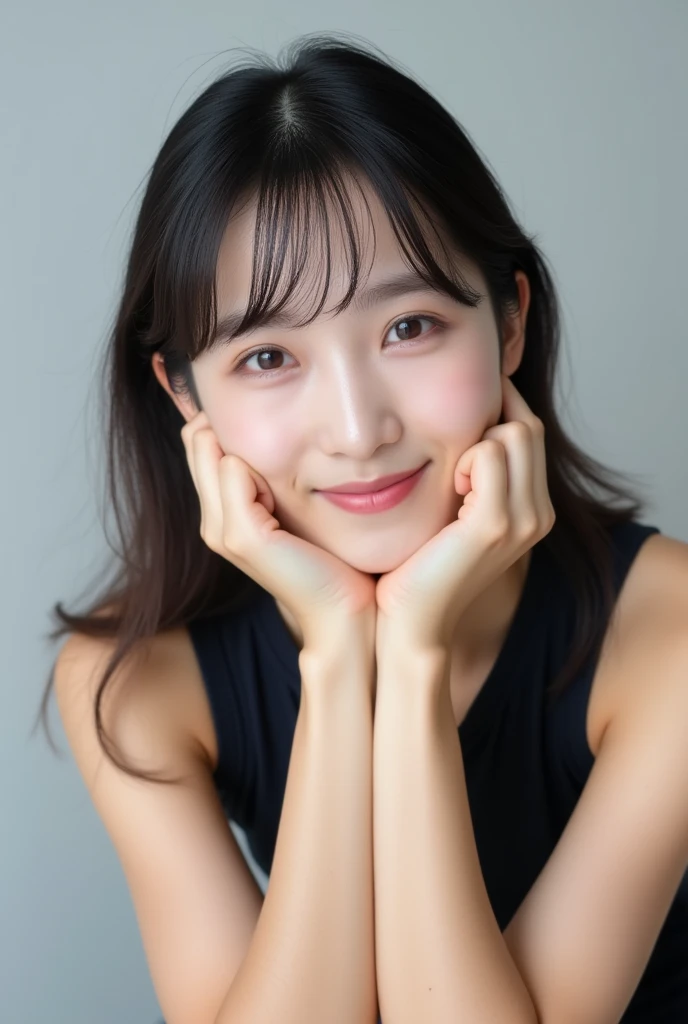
point(355, 410)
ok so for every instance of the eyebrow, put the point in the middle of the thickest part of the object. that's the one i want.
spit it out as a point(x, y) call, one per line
point(390, 288)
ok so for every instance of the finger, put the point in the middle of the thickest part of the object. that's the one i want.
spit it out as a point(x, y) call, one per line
point(515, 406)
point(489, 479)
point(244, 517)
point(462, 471)
point(519, 445)
point(206, 456)
point(540, 485)
point(187, 432)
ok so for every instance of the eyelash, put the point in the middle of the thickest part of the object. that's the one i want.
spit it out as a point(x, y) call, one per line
point(271, 348)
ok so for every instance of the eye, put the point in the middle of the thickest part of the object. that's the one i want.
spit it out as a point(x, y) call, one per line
point(415, 319)
point(404, 325)
point(259, 352)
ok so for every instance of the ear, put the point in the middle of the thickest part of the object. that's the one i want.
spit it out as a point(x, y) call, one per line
point(185, 405)
point(515, 329)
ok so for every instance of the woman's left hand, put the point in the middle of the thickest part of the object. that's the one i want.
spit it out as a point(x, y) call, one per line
point(506, 510)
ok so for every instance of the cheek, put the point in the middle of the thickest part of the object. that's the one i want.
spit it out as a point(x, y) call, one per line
point(461, 402)
point(256, 440)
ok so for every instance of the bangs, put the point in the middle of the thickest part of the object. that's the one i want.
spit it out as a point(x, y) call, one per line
point(298, 213)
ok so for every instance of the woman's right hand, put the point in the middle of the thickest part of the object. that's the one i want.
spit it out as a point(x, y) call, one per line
point(321, 591)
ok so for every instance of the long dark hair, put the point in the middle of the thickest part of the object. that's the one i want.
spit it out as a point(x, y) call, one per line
point(285, 131)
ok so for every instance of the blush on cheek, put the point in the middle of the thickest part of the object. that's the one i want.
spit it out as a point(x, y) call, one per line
point(260, 443)
point(464, 401)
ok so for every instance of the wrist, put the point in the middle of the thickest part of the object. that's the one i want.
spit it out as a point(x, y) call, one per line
point(416, 636)
point(403, 663)
point(342, 654)
point(334, 634)
point(394, 643)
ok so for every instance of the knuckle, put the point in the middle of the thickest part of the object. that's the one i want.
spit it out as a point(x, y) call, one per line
point(195, 434)
point(493, 445)
point(208, 539)
point(190, 427)
point(225, 467)
point(519, 429)
point(497, 530)
point(231, 542)
point(530, 527)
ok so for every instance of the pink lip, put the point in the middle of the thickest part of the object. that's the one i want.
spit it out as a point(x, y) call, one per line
point(376, 501)
point(370, 486)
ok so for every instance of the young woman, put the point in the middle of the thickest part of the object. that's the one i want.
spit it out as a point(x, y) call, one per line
point(451, 712)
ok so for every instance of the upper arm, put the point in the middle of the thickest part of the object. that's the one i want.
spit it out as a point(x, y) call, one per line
point(584, 933)
point(195, 898)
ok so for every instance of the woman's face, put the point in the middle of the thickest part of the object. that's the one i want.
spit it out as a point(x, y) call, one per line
point(354, 395)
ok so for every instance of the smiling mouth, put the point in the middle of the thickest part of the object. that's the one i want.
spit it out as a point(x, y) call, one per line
point(372, 486)
point(383, 500)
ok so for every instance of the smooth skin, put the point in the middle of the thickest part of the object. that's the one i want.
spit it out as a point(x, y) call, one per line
point(217, 952)
point(506, 509)
point(324, 936)
point(576, 948)
point(237, 522)
point(604, 887)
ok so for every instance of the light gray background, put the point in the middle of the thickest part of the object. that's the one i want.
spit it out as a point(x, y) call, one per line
point(581, 109)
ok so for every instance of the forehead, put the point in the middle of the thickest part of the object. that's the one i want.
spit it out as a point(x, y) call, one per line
point(321, 245)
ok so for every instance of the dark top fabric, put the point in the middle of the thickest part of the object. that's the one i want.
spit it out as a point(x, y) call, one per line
point(525, 764)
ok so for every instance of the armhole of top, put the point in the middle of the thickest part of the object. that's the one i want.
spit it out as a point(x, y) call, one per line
point(628, 540)
point(210, 646)
point(572, 713)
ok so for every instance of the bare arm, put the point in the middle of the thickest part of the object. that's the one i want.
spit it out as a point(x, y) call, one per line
point(219, 953)
point(440, 953)
point(312, 954)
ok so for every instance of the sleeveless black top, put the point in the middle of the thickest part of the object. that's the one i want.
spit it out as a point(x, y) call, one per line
point(525, 764)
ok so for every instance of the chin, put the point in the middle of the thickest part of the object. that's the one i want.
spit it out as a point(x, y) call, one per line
point(374, 566)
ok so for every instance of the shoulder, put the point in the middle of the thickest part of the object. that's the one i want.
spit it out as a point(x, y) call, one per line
point(645, 651)
point(155, 697)
point(622, 855)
